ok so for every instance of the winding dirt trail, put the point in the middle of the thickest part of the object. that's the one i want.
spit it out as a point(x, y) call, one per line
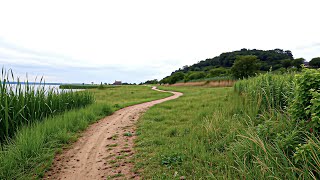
point(104, 150)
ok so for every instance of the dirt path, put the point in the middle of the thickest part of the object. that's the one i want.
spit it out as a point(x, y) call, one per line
point(105, 149)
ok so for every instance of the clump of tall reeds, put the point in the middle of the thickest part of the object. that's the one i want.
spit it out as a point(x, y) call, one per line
point(271, 91)
point(24, 103)
point(289, 126)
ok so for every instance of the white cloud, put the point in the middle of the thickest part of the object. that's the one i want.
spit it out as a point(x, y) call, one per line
point(149, 39)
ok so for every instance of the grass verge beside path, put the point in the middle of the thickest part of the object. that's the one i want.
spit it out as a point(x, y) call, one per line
point(32, 150)
point(187, 136)
point(124, 96)
point(211, 133)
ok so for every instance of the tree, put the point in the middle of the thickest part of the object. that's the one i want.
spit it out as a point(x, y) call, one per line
point(298, 62)
point(315, 62)
point(176, 77)
point(217, 72)
point(154, 81)
point(245, 66)
point(289, 53)
point(195, 75)
point(286, 63)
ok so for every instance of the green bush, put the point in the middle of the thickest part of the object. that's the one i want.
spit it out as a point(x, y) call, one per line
point(305, 106)
point(218, 72)
point(195, 75)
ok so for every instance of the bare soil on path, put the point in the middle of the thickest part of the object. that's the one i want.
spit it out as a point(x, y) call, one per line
point(105, 149)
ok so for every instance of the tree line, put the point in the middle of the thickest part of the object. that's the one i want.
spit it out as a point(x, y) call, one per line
point(239, 64)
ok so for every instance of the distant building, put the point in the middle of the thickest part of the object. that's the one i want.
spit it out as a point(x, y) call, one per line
point(117, 83)
point(306, 64)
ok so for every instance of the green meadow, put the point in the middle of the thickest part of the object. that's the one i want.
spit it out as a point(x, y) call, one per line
point(266, 127)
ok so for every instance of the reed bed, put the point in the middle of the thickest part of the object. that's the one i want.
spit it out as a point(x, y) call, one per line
point(270, 91)
point(25, 103)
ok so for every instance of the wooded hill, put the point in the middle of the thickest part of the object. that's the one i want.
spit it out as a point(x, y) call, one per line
point(220, 65)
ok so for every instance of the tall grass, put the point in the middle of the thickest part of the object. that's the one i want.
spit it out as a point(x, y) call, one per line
point(288, 125)
point(270, 91)
point(24, 104)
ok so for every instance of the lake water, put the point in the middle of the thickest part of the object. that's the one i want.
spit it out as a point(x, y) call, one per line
point(46, 87)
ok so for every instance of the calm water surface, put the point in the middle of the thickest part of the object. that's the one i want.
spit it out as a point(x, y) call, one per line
point(46, 87)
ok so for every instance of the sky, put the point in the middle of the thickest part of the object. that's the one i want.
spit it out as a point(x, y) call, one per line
point(82, 41)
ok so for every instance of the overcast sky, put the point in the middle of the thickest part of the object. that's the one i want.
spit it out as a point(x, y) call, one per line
point(134, 40)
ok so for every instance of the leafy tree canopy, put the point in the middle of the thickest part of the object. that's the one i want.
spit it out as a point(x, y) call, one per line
point(245, 66)
point(195, 75)
point(173, 78)
point(154, 81)
point(286, 63)
point(218, 72)
point(298, 62)
point(315, 62)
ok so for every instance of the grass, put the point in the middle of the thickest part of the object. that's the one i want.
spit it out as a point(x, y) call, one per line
point(23, 104)
point(188, 135)
point(112, 145)
point(215, 133)
point(124, 96)
point(85, 86)
point(129, 134)
point(289, 105)
point(271, 91)
point(31, 151)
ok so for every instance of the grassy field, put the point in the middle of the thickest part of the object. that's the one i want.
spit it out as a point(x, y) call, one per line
point(85, 86)
point(247, 132)
point(127, 95)
point(188, 136)
point(32, 150)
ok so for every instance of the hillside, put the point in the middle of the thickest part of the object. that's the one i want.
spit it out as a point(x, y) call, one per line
point(220, 65)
